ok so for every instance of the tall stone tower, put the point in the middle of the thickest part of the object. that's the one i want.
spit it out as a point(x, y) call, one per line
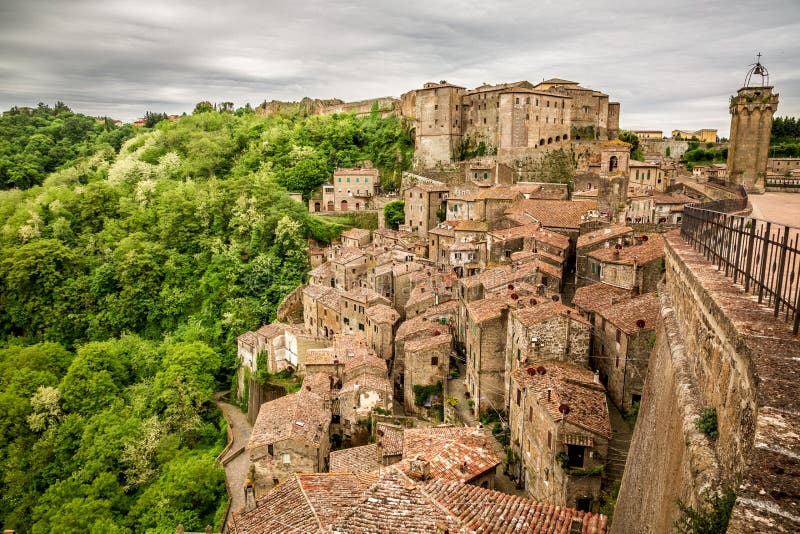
point(751, 125)
point(438, 128)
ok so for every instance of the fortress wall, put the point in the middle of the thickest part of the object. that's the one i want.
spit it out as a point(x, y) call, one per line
point(716, 347)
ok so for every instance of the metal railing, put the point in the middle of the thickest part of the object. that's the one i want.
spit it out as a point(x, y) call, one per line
point(762, 256)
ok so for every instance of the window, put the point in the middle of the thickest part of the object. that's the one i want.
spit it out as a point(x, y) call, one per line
point(436, 106)
point(519, 397)
point(527, 100)
point(537, 101)
point(549, 440)
point(484, 120)
point(285, 458)
point(508, 253)
point(619, 335)
point(548, 103)
point(575, 455)
point(366, 180)
point(434, 360)
point(340, 179)
point(516, 100)
point(530, 413)
point(361, 326)
point(270, 450)
point(347, 321)
point(485, 175)
point(348, 179)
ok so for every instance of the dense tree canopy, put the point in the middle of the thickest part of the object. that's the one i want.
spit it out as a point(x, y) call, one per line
point(125, 276)
point(35, 142)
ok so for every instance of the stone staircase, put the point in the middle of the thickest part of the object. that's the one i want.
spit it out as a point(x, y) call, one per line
point(617, 448)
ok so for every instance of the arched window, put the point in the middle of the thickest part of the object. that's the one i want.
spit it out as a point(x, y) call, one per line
point(558, 138)
point(344, 205)
point(549, 140)
point(565, 137)
point(317, 206)
point(613, 163)
point(541, 141)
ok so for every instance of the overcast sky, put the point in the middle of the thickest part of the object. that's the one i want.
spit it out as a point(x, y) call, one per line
point(672, 65)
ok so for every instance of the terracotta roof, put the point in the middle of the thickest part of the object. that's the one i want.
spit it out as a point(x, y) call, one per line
point(429, 320)
point(597, 296)
point(356, 233)
point(453, 453)
point(472, 226)
point(348, 255)
point(556, 213)
point(248, 337)
point(626, 313)
point(406, 267)
point(355, 459)
point(395, 504)
point(356, 170)
point(322, 271)
point(515, 232)
point(301, 415)
point(613, 231)
point(381, 313)
point(489, 308)
point(498, 193)
point(366, 381)
point(391, 438)
point(484, 510)
point(303, 503)
point(558, 81)
point(552, 238)
point(428, 342)
point(362, 294)
point(503, 275)
point(570, 385)
point(643, 253)
point(463, 245)
point(429, 187)
point(539, 313)
point(391, 501)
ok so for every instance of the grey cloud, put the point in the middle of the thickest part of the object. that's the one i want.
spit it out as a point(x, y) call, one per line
point(670, 64)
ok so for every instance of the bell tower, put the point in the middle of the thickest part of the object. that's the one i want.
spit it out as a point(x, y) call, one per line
point(751, 110)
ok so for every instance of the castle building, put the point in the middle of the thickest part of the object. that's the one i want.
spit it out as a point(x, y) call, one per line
point(751, 126)
point(512, 120)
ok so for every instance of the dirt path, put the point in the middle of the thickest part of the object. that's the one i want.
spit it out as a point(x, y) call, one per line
point(235, 460)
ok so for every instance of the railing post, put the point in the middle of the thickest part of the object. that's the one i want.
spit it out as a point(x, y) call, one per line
point(764, 252)
point(738, 256)
point(781, 264)
point(750, 246)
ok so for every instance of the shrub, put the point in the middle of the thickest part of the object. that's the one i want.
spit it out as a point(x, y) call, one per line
point(421, 393)
point(707, 423)
point(471, 403)
point(711, 517)
point(452, 401)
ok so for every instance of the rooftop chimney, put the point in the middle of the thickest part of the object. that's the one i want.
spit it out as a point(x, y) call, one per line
point(597, 377)
point(420, 468)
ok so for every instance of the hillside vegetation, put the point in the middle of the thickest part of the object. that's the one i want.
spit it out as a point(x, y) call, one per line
point(125, 277)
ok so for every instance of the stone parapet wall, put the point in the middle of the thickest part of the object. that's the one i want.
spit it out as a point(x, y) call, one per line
point(715, 347)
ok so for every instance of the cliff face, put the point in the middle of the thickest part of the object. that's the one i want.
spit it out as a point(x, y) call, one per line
point(715, 347)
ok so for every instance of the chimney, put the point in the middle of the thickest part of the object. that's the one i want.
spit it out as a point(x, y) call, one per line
point(548, 394)
point(597, 377)
point(420, 468)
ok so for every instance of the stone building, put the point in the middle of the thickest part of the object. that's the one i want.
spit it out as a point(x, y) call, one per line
point(349, 267)
point(637, 267)
point(704, 135)
point(290, 435)
point(598, 236)
point(624, 335)
point(649, 134)
point(751, 125)
point(647, 174)
point(514, 120)
point(283, 346)
point(562, 216)
point(560, 429)
point(353, 308)
point(356, 238)
point(322, 311)
point(426, 363)
point(350, 190)
point(545, 330)
point(382, 321)
point(484, 172)
point(424, 202)
point(440, 319)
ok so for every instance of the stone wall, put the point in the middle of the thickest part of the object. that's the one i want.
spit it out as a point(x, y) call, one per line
point(660, 146)
point(715, 347)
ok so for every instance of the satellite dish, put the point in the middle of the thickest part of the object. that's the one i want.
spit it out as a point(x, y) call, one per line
point(555, 298)
point(564, 409)
point(640, 323)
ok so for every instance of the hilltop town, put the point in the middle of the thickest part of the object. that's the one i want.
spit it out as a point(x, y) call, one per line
point(490, 352)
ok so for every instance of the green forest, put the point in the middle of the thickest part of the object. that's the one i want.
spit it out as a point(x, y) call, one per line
point(785, 142)
point(130, 260)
